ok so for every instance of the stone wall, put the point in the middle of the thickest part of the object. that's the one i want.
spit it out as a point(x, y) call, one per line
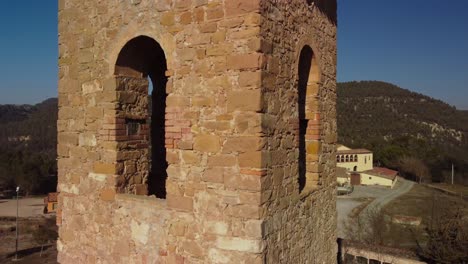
point(300, 223)
point(229, 73)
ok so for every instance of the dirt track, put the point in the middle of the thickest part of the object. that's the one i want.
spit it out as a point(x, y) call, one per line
point(28, 207)
point(383, 195)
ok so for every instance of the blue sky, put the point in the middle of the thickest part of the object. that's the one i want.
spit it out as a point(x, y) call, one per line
point(420, 45)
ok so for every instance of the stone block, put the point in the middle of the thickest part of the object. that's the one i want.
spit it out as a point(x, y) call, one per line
point(193, 248)
point(250, 100)
point(252, 159)
point(239, 244)
point(207, 143)
point(243, 144)
point(190, 157)
point(91, 87)
point(215, 175)
point(222, 160)
point(238, 7)
point(140, 232)
point(250, 79)
point(105, 168)
point(313, 147)
point(180, 202)
point(216, 227)
point(167, 19)
point(108, 195)
point(242, 182)
point(252, 61)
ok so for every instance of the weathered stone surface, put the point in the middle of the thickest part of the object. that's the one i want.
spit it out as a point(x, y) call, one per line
point(139, 232)
point(219, 147)
point(207, 143)
point(239, 244)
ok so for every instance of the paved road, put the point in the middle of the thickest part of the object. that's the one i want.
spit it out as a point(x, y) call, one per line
point(383, 200)
point(28, 207)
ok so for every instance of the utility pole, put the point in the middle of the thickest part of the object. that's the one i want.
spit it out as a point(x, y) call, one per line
point(17, 206)
point(452, 173)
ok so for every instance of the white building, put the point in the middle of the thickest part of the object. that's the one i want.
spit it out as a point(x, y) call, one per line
point(354, 159)
point(355, 167)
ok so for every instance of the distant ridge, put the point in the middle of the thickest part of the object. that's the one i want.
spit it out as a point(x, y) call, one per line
point(393, 121)
point(379, 116)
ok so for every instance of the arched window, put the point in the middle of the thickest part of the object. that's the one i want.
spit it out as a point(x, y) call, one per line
point(355, 168)
point(342, 158)
point(355, 158)
point(309, 118)
point(143, 152)
point(347, 158)
point(337, 158)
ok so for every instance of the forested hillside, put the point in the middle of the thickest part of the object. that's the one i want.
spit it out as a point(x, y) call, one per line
point(28, 146)
point(392, 122)
point(397, 123)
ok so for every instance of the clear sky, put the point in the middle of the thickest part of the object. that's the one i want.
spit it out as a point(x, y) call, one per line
point(420, 45)
point(28, 51)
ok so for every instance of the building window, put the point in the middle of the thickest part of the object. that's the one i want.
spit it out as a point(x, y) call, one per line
point(142, 62)
point(309, 138)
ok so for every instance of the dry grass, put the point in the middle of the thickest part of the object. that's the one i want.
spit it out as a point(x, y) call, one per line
point(423, 202)
point(365, 201)
point(457, 189)
point(29, 250)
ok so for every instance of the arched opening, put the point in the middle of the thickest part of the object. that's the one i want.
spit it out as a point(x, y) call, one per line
point(355, 168)
point(337, 158)
point(342, 158)
point(309, 119)
point(347, 158)
point(355, 158)
point(142, 62)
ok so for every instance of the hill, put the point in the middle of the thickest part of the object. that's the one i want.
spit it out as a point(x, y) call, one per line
point(28, 141)
point(391, 121)
point(394, 122)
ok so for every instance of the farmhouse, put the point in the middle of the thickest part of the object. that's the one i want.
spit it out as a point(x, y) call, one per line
point(354, 159)
point(355, 167)
point(379, 176)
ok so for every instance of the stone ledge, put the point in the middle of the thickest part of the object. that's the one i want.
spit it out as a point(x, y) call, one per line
point(150, 200)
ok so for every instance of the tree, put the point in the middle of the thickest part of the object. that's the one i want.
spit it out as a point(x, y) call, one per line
point(415, 168)
point(368, 230)
point(447, 236)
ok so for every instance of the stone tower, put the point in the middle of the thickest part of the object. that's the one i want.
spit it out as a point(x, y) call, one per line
point(197, 131)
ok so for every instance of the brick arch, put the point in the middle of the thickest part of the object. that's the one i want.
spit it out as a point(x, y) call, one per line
point(309, 138)
point(141, 56)
point(164, 39)
point(141, 152)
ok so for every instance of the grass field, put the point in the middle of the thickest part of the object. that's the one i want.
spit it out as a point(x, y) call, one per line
point(456, 189)
point(423, 202)
point(29, 249)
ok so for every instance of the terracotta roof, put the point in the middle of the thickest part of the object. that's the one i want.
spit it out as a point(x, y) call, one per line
point(354, 151)
point(382, 172)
